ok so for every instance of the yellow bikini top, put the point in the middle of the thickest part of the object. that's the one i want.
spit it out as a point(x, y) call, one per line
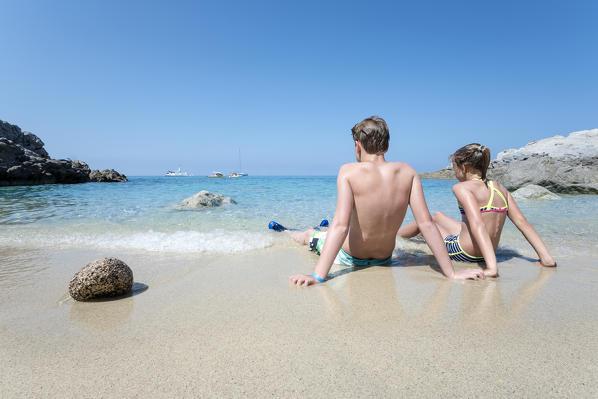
point(489, 207)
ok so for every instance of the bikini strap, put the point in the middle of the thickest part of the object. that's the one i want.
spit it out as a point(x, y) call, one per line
point(499, 194)
point(491, 187)
point(503, 198)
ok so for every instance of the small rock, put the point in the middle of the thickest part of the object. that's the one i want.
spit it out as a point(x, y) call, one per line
point(106, 176)
point(206, 199)
point(535, 192)
point(106, 277)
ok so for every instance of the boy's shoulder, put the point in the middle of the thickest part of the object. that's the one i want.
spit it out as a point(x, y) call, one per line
point(358, 166)
point(404, 166)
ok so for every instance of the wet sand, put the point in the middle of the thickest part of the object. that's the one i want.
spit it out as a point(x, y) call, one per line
point(231, 326)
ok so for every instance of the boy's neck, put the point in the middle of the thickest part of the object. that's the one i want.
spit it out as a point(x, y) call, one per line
point(375, 158)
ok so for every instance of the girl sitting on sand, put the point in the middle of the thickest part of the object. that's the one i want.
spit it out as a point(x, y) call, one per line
point(484, 206)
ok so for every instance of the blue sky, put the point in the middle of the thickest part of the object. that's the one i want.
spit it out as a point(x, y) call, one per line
point(148, 86)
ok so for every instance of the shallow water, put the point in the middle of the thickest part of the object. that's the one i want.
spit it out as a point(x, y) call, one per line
point(142, 215)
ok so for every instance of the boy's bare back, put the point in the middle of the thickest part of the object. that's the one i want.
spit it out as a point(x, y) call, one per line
point(381, 194)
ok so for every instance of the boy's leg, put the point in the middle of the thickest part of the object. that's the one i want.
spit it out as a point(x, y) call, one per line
point(302, 237)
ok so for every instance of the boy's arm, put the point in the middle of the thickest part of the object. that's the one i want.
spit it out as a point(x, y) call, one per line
point(530, 234)
point(336, 233)
point(431, 234)
point(477, 227)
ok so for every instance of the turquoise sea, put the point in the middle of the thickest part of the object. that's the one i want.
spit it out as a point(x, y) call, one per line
point(141, 215)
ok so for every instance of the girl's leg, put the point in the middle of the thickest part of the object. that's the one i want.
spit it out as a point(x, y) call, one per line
point(408, 231)
point(446, 225)
point(302, 237)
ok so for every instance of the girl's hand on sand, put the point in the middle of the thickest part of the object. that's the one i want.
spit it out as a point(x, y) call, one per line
point(472, 274)
point(303, 280)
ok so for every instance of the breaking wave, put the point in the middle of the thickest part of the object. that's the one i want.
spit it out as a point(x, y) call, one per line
point(179, 241)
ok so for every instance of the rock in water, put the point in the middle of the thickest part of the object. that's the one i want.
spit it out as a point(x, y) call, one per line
point(206, 199)
point(561, 164)
point(446, 173)
point(106, 277)
point(106, 176)
point(534, 192)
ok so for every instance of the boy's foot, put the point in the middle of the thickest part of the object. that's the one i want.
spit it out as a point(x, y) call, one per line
point(276, 226)
point(323, 223)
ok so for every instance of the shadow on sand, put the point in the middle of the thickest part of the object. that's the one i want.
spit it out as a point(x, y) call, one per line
point(137, 289)
point(402, 258)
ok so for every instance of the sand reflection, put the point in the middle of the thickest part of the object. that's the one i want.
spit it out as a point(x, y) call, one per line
point(372, 294)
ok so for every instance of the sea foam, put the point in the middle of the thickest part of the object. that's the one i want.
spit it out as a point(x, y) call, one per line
point(178, 241)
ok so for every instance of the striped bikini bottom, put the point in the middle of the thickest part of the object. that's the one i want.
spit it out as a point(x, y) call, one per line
point(457, 253)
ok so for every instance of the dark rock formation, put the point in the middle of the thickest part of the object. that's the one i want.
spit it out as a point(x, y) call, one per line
point(106, 176)
point(24, 161)
point(206, 199)
point(560, 164)
point(106, 277)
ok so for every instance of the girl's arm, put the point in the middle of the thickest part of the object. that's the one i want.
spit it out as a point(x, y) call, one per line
point(530, 234)
point(477, 228)
point(431, 234)
point(336, 233)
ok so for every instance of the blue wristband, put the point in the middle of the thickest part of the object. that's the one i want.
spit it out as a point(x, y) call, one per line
point(320, 279)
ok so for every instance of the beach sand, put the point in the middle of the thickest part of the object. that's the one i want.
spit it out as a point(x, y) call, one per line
point(232, 326)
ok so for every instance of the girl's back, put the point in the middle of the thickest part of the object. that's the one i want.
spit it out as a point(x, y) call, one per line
point(491, 199)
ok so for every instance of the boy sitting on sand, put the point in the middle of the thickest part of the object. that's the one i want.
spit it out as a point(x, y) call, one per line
point(372, 198)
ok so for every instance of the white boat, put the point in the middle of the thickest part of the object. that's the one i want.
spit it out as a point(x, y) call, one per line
point(216, 174)
point(177, 173)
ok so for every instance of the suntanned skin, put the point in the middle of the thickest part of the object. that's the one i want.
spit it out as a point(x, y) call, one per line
point(373, 196)
point(479, 233)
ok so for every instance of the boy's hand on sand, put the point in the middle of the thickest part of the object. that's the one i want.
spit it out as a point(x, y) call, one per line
point(303, 280)
point(549, 263)
point(472, 274)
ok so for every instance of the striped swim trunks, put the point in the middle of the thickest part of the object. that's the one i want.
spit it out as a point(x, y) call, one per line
point(316, 243)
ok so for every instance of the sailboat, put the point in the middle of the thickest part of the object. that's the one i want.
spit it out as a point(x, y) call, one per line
point(238, 174)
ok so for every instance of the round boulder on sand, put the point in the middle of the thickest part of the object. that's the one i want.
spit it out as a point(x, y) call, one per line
point(534, 192)
point(106, 277)
point(206, 199)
